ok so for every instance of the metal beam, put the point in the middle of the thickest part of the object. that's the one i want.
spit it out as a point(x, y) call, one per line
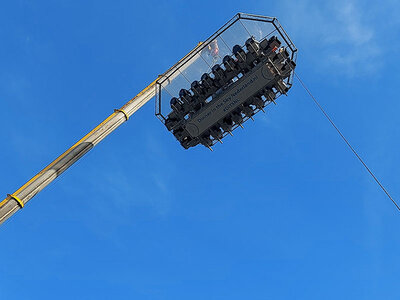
point(14, 202)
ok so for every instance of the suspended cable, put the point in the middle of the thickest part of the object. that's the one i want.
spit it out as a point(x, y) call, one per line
point(346, 141)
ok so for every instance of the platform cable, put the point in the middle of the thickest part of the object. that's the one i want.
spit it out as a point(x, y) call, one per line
point(345, 140)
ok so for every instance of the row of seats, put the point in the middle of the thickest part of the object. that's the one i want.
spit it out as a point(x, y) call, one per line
point(189, 102)
point(225, 125)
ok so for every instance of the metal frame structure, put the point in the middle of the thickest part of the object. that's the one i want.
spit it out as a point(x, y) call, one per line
point(185, 77)
point(196, 52)
point(17, 200)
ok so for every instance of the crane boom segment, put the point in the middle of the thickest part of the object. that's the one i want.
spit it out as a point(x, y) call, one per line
point(13, 202)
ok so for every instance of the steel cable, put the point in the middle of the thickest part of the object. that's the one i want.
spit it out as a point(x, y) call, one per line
point(346, 141)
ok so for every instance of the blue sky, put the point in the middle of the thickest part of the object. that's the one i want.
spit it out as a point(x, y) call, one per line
point(282, 210)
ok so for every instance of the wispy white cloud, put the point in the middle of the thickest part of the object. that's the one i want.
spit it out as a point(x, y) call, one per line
point(353, 28)
point(341, 34)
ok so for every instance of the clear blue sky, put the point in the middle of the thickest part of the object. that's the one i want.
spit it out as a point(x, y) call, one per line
point(282, 210)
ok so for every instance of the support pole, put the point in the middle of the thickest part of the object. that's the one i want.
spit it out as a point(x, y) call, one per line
point(14, 202)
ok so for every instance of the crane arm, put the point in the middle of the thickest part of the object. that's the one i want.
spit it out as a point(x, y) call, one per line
point(12, 203)
point(15, 201)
